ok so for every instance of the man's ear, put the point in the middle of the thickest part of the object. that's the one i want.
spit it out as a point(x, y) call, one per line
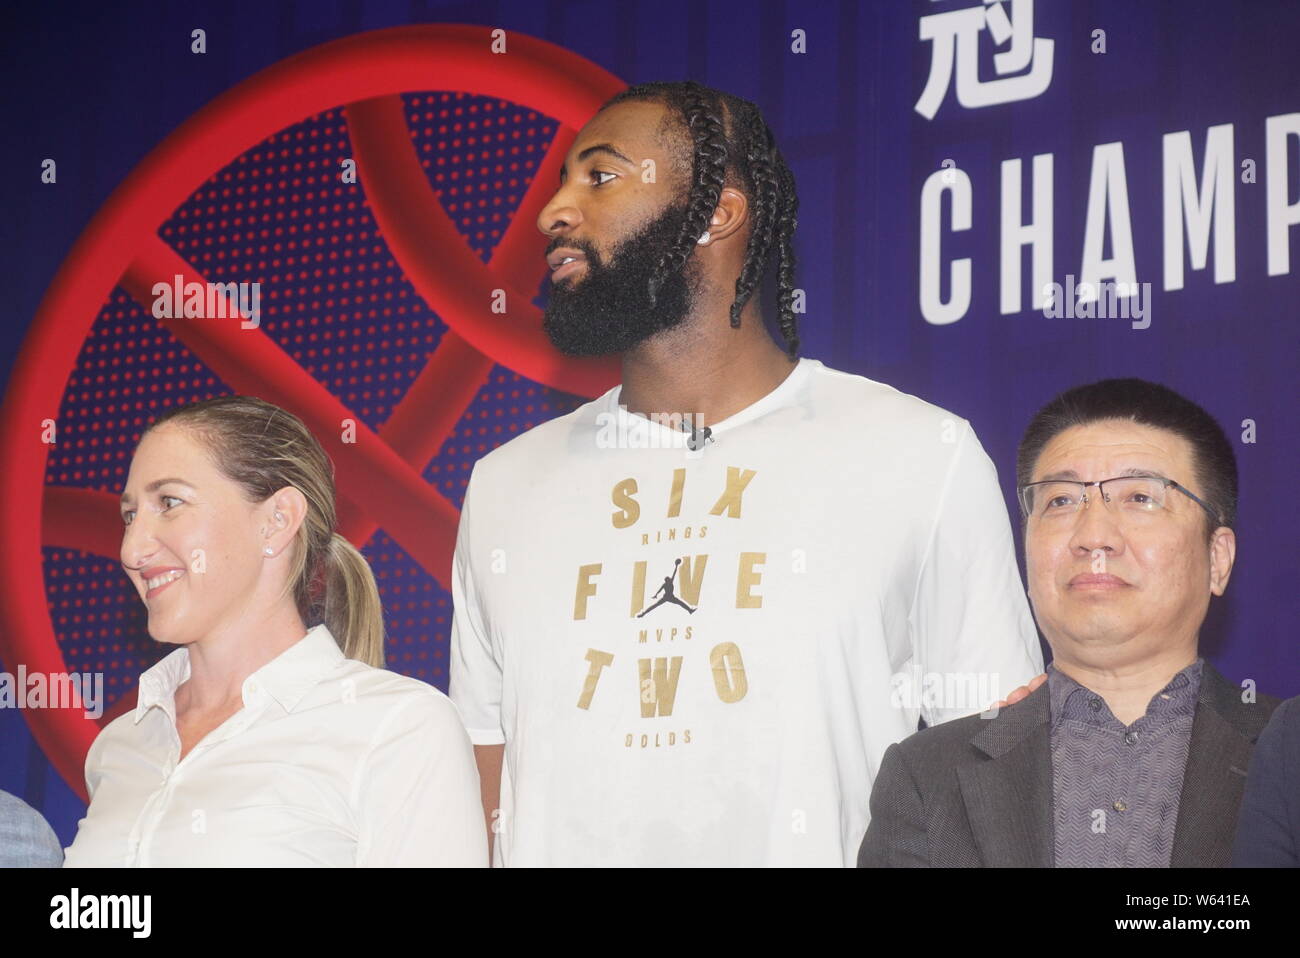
point(729, 215)
point(1223, 552)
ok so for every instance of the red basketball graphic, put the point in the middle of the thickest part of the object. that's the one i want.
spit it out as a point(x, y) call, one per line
point(379, 476)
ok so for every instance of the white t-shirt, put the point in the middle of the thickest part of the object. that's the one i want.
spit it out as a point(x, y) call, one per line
point(839, 542)
point(329, 762)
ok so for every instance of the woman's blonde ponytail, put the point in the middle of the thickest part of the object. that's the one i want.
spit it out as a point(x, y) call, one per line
point(352, 610)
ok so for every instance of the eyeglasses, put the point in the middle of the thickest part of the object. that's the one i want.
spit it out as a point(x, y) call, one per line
point(1129, 495)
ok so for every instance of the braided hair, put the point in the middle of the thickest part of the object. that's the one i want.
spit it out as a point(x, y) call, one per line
point(731, 144)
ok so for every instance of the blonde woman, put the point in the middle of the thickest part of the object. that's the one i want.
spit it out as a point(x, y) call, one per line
point(260, 740)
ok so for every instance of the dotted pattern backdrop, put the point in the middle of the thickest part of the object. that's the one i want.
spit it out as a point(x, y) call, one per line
point(333, 298)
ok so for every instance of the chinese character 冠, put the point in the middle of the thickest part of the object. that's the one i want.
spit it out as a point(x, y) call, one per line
point(955, 35)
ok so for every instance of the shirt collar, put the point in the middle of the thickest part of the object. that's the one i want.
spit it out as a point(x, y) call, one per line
point(158, 683)
point(1060, 687)
point(611, 404)
point(296, 670)
point(286, 678)
point(1068, 698)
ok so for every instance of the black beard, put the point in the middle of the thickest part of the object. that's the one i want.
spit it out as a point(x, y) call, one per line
point(609, 310)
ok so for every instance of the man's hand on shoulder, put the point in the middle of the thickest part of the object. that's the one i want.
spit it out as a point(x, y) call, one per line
point(1023, 691)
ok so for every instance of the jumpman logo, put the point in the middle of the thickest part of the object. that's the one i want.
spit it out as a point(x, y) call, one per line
point(667, 590)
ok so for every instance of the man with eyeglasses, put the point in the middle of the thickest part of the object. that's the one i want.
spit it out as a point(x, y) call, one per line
point(1134, 752)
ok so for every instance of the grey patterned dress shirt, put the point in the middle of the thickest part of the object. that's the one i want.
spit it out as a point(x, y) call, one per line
point(1115, 788)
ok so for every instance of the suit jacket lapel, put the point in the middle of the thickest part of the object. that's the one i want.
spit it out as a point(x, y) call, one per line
point(1009, 799)
point(1217, 758)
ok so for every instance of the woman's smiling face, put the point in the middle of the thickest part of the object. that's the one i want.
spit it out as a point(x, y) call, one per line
point(192, 545)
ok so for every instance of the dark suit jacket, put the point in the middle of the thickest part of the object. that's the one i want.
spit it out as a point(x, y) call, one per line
point(978, 792)
point(1268, 835)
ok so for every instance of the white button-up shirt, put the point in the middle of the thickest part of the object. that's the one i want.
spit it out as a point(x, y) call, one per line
point(329, 762)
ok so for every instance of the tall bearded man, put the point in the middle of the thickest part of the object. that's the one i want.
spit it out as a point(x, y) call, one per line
point(836, 558)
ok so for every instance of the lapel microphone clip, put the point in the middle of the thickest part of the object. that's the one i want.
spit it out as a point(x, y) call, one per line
point(698, 437)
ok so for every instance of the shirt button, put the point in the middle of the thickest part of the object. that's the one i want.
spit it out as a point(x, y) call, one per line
point(1130, 738)
point(1119, 806)
point(1094, 704)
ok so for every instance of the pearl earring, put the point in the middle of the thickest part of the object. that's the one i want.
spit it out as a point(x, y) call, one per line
point(268, 550)
point(703, 239)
